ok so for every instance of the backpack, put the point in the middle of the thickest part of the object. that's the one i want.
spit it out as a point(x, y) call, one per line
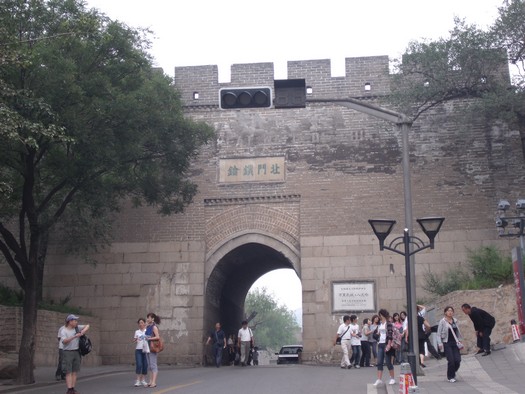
point(397, 337)
point(84, 344)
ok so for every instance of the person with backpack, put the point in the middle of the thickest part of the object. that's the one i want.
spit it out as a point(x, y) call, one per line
point(69, 336)
point(483, 322)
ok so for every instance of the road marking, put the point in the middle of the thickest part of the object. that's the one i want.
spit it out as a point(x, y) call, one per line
point(173, 388)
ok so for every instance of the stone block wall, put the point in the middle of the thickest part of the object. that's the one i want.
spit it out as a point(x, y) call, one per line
point(499, 302)
point(342, 167)
point(49, 322)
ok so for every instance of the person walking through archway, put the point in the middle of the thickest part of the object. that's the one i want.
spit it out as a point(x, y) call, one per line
point(245, 340)
point(218, 337)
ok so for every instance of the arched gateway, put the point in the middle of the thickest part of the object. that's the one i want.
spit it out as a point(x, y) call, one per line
point(244, 243)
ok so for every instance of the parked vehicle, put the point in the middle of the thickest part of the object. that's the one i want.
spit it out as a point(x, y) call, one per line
point(289, 354)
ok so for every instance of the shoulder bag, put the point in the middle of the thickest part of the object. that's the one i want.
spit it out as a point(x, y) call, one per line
point(338, 340)
point(156, 346)
point(458, 342)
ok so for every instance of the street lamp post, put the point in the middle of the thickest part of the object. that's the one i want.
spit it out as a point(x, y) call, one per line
point(514, 226)
point(411, 245)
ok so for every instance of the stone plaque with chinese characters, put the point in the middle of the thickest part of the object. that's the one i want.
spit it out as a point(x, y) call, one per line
point(257, 169)
point(353, 297)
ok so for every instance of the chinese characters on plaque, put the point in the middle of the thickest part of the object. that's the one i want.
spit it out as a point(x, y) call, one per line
point(258, 169)
point(353, 297)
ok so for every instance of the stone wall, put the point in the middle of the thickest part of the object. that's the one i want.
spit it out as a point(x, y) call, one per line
point(342, 167)
point(499, 302)
point(49, 322)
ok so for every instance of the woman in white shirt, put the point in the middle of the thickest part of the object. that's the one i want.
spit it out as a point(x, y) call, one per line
point(384, 348)
point(141, 354)
point(355, 341)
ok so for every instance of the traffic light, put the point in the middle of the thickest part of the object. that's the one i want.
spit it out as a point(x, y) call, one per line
point(233, 98)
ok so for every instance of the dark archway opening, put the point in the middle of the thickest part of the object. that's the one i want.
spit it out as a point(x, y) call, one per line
point(231, 280)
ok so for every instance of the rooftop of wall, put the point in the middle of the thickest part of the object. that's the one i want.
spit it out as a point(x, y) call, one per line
point(372, 72)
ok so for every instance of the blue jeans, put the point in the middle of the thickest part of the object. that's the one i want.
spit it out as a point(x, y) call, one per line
point(356, 355)
point(383, 357)
point(141, 362)
point(217, 353)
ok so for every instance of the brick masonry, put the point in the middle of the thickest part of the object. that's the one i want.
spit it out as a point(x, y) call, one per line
point(46, 345)
point(342, 168)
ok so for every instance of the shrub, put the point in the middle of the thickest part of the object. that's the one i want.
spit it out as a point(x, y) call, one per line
point(12, 297)
point(487, 267)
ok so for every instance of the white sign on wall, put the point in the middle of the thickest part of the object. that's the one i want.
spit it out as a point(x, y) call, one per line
point(353, 296)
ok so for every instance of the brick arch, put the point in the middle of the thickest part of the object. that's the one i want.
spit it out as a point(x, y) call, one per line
point(252, 218)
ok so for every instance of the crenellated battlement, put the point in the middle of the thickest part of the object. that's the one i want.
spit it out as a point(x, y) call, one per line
point(364, 76)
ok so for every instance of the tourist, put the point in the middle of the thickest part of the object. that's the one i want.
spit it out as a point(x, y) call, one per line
point(152, 334)
point(71, 357)
point(448, 336)
point(245, 340)
point(218, 337)
point(385, 352)
point(141, 354)
point(483, 322)
point(343, 334)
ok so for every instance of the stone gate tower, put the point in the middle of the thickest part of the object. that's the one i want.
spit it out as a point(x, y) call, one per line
point(294, 188)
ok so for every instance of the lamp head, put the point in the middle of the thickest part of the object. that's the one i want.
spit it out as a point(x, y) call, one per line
point(431, 227)
point(382, 228)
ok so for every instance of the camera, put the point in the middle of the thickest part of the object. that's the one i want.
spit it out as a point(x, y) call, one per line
point(501, 223)
point(520, 204)
point(503, 205)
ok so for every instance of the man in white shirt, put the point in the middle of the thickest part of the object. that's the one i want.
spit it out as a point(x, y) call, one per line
point(245, 339)
point(344, 333)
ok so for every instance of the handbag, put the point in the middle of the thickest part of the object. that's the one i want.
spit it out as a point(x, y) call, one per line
point(156, 346)
point(376, 334)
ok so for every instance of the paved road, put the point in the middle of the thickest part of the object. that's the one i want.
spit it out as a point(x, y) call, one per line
point(502, 372)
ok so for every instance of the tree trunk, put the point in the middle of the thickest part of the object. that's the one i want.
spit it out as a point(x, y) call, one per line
point(26, 353)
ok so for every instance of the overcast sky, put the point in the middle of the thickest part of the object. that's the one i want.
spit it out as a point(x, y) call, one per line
point(226, 32)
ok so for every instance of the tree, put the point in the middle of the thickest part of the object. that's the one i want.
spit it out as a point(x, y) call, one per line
point(470, 64)
point(86, 123)
point(273, 325)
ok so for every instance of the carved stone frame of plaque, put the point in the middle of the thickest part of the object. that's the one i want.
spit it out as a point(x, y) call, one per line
point(354, 296)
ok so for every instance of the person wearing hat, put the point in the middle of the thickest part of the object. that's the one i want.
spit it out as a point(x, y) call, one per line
point(71, 358)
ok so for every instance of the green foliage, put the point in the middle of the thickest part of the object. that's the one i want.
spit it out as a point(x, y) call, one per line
point(440, 285)
point(86, 123)
point(274, 325)
point(10, 297)
point(470, 63)
point(487, 268)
